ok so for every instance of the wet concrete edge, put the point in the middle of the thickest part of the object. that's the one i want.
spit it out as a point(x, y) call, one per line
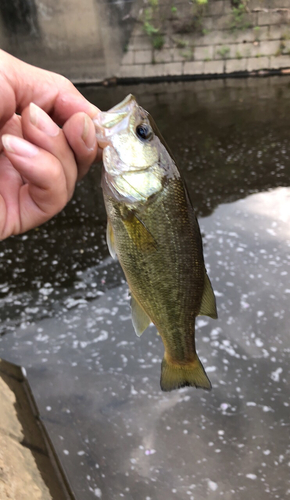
point(109, 82)
point(35, 435)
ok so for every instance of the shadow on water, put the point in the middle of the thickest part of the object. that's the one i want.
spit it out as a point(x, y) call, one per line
point(65, 313)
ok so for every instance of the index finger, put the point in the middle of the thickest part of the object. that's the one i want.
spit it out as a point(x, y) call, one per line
point(21, 83)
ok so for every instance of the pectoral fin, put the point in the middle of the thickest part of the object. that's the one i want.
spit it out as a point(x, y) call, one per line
point(208, 303)
point(139, 233)
point(139, 317)
point(110, 240)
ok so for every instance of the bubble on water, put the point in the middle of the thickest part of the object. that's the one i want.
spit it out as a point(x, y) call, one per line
point(276, 375)
point(212, 485)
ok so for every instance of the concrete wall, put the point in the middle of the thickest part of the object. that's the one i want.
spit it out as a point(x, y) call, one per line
point(214, 40)
point(82, 39)
point(90, 40)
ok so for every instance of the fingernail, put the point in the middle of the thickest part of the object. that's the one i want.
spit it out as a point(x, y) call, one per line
point(88, 135)
point(42, 121)
point(19, 146)
point(93, 110)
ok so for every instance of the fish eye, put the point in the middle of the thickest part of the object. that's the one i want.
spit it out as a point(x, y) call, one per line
point(144, 132)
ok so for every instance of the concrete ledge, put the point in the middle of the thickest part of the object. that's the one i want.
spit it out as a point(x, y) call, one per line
point(29, 468)
point(160, 75)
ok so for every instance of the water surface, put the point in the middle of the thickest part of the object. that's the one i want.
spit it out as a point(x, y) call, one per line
point(65, 314)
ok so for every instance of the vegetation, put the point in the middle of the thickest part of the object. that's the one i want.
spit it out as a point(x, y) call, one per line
point(257, 30)
point(224, 52)
point(154, 23)
point(179, 43)
point(239, 19)
point(157, 39)
point(188, 54)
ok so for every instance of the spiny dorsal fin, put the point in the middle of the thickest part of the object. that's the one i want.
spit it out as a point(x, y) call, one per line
point(208, 303)
point(139, 317)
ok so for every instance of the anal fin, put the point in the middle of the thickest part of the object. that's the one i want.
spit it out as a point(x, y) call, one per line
point(208, 302)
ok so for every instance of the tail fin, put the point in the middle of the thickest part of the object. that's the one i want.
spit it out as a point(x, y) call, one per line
point(175, 376)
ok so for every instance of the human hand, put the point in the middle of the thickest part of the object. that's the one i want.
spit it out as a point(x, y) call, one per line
point(40, 162)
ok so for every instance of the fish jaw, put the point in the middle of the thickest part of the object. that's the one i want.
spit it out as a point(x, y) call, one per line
point(114, 121)
point(117, 128)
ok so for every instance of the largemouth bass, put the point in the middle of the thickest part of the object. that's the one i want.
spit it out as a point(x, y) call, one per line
point(153, 231)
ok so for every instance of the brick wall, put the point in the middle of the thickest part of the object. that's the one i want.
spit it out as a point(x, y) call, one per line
point(214, 39)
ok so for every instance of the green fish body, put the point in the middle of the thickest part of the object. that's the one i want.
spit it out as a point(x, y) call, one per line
point(153, 231)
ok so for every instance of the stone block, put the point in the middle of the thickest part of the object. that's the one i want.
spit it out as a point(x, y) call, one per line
point(216, 8)
point(193, 68)
point(212, 38)
point(224, 51)
point(270, 17)
point(285, 47)
point(183, 42)
point(279, 62)
point(235, 65)
point(138, 29)
point(276, 32)
point(247, 21)
point(207, 23)
point(258, 63)
point(143, 56)
point(258, 48)
point(241, 36)
point(161, 56)
point(249, 35)
point(223, 22)
point(141, 42)
point(132, 71)
point(203, 53)
point(269, 48)
point(268, 4)
point(151, 70)
point(173, 68)
point(167, 42)
point(128, 58)
point(261, 33)
point(228, 7)
point(176, 55)
point(213, 67)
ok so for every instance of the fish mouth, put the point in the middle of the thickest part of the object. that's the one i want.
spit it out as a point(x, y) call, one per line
point(108, 123)
point(126, 105)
